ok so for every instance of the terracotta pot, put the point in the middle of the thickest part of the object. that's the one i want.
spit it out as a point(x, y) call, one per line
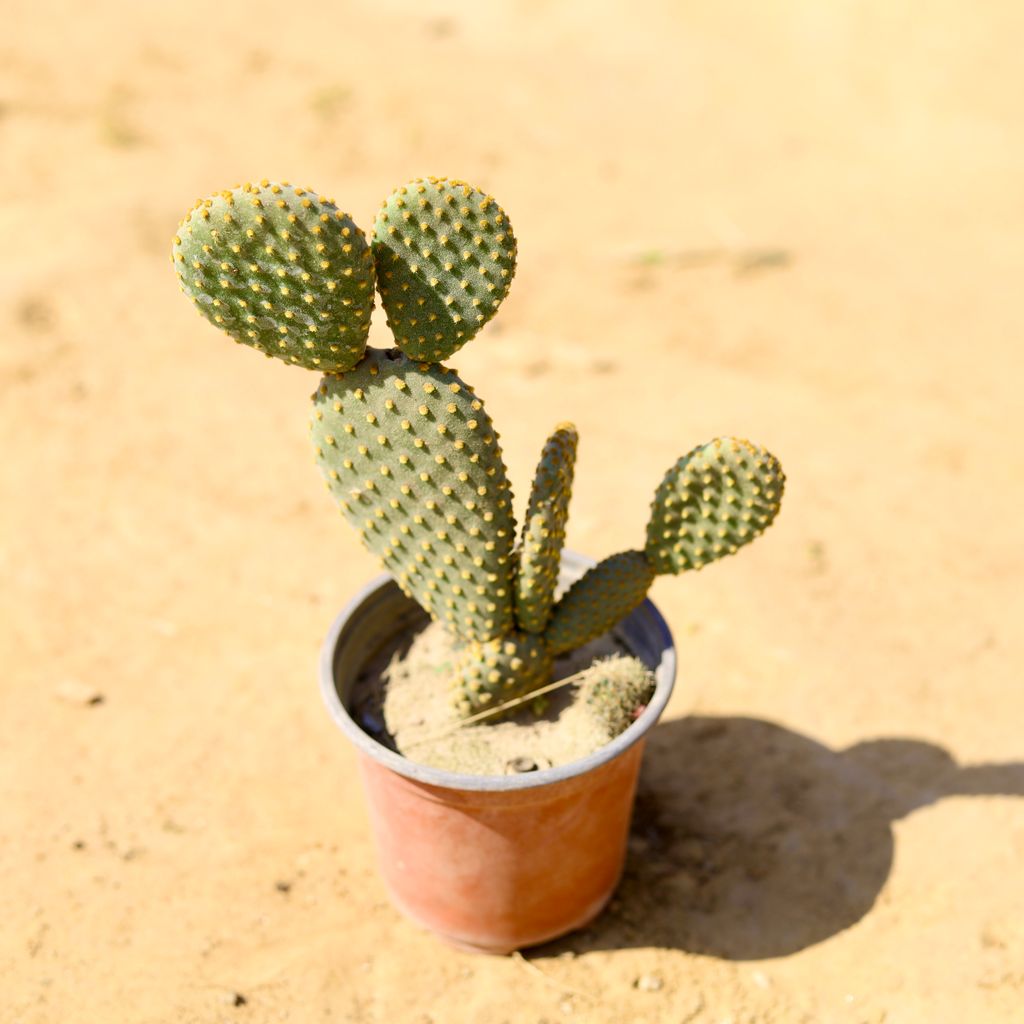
point(493, 863)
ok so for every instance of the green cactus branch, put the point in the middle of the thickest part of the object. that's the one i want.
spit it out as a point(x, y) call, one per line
point(500, 670)
point(601, 597)
point(543, 535)
point(411, 455)
point(714, 500)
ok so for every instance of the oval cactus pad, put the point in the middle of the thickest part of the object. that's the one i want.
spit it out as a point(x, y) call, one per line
point(714, 500)
point(445, 255)
point(413, 459)
point(281, 269)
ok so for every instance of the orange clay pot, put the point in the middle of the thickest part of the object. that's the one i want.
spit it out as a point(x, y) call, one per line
point(492, 863)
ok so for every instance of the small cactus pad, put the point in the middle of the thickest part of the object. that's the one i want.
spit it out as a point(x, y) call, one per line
point(599, 599)
point(500, 670)
point(411, 455)
point(540, 548)
point(281, 269)
point(445, 257)
point(713, 501)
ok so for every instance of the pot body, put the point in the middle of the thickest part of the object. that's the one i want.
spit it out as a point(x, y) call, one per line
point(498, 870)
point(493, 863)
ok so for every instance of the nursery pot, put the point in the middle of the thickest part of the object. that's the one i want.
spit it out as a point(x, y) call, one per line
point(493, 863)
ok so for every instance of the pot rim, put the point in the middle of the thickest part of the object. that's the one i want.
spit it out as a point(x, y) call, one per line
point(665, 674)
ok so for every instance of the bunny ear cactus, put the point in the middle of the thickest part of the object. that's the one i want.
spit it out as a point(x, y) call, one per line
point(405, 444)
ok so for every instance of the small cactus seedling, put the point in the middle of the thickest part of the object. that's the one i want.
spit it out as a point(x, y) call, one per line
point(405, 444)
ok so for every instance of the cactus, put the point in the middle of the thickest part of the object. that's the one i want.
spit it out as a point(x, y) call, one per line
point(405, 444)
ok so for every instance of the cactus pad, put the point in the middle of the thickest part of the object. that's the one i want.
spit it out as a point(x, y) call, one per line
point(500, 670)
point(412, 456)
point(540, 548)
point(281, 269)
point(445, 257)
point(599, 599)
point(711, 502)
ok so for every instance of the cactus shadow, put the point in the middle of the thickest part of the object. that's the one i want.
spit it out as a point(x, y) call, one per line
point(752, 841)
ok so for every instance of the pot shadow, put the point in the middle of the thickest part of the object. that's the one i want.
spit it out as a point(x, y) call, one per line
point(750, 841)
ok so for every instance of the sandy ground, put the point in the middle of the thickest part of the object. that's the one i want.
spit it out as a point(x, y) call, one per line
point(796, 221)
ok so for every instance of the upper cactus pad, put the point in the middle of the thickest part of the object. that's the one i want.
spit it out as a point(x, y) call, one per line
point(445, 257)
point(281, 269)
point(413, 458)
point(714, 500)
